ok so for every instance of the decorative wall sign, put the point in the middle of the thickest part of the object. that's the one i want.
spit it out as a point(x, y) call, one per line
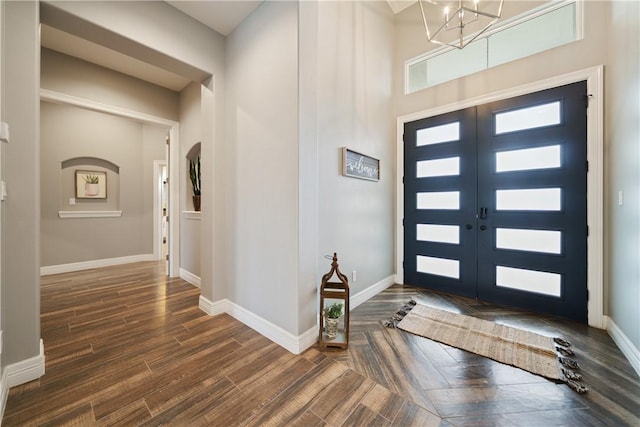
point(91, 184)
point(358, 165)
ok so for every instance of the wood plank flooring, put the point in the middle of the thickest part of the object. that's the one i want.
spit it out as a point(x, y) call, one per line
point(468, 390)
point(127, 346)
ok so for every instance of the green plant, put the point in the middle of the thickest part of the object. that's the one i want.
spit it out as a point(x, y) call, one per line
point(91, 179)
point(334, 311)
point(194, 175)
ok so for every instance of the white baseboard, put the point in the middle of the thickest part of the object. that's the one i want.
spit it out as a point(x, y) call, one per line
point(294, 344)
point(20, 373)
point(87, 265)
point(190, 277)
point(26, 370)
point(624, 343)
point(4, 394)
point(371, 291)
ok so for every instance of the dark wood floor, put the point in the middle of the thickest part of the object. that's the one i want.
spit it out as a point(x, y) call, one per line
point(126, 346)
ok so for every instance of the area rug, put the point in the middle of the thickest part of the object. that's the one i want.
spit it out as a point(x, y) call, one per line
point(545, 356)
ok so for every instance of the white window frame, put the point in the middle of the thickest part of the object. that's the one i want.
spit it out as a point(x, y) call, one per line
point(503, 25)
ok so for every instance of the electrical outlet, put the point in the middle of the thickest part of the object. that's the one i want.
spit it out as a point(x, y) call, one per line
point(353, 276)
point(72, 201)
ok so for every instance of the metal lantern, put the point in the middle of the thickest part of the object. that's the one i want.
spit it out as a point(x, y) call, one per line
point(334, 308)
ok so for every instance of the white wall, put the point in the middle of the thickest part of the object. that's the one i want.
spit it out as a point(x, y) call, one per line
point(622, 127)
point(261, 171)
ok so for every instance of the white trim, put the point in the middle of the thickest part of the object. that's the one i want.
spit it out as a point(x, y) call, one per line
point(371, 291)
point(20, 373)
point(595, 177)
point(89, 214)
point(624, 343)
point(213, 308)
point(89, 104)
point(157, 208)
point(292, 343)
point(190, 277)
point(26, 370)
point(191, 215)
point(503, 24)
point(98, 263)
point(174, 155)
point(4, 393)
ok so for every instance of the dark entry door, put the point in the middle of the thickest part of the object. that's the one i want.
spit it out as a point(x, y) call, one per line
point(495, 202)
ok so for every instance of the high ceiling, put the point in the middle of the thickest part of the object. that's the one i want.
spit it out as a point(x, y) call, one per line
point(222, 16)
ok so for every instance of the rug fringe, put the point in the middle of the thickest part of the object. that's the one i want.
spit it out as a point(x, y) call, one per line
point(579, 388)
point(562, 342)
point(568, 367)
point(567, 364)
point(400, 314)
point(565, 351)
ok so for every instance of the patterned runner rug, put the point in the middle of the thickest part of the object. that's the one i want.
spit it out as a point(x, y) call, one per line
point(535, 353)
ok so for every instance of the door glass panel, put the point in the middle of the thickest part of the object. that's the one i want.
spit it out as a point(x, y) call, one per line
point(438, 167)
point(528, 118)
point(438, 233)
point(438, 134)
point(539, 282)
point(537, 199)
point(438, 266)
point(528, 159)
point(439, 200)
point(547, 241)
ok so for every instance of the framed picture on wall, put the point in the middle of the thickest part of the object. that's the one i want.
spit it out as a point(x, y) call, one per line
point(91, 184)
point(357, 165)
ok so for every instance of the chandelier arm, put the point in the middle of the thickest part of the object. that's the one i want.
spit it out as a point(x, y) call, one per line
point(458, 15)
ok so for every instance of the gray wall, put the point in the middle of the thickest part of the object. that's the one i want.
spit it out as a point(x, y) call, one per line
point(285, 130)
point(262, 168)
point(355, 109)
point(622, 134)
point(190, 135)
point(21, 210)
point(68, 132)
point(72, 76)
point(619, 54)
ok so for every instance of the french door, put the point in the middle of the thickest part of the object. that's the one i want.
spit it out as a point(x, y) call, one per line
point(496, 202)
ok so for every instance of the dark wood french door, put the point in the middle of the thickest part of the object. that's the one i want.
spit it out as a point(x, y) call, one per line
point(496, 201)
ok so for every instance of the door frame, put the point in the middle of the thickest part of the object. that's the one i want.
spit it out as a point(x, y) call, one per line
point(595, 175)
point(157, 209)
point(173, 126)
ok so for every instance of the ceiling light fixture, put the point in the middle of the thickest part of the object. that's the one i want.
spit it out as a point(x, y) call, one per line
point(466, 12)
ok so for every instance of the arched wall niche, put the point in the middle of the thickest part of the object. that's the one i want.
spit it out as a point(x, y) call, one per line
point(69, 200)
point(193, 155)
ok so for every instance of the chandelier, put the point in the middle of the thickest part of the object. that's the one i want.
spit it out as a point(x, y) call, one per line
point(466, 22)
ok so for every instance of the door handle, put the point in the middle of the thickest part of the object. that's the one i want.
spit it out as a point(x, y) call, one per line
point(483, 227)
point(483, 213)
point(468, 226)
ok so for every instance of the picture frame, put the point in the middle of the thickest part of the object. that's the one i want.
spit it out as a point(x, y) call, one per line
point(358, 165)
point(91, 184)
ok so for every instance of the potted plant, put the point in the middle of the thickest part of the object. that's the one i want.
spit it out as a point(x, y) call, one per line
point(194, 175)
point(91, 187)
point(332, 314)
